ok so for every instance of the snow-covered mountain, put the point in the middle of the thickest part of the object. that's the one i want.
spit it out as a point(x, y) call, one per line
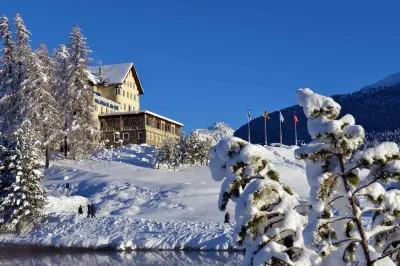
point(215, 133)
point(375, 107)
point(390, 80)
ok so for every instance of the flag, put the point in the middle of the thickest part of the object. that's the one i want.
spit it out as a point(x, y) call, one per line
point(295, 119)
point(248, 114)
point(281, 116)
point(265, 114)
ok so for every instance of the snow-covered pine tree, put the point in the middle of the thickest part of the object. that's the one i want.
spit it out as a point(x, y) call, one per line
point(43, 111)
point(335, 228)
point(82, 124)
point(269, 217)
point(204, 154)
point(23, 198)
point(8, 166)
point(169, 145)
point(8, 59)
point(182, 149)
point(22, 35)
point(11, 114)
point(192, 148)
point(160, 156)
point(59, 72)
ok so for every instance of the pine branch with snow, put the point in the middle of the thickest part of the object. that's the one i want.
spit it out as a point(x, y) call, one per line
point(269, 218)
point(334, 227)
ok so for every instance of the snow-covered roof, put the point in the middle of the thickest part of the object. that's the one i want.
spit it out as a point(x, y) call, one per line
point(114, 74)
point(141, 112)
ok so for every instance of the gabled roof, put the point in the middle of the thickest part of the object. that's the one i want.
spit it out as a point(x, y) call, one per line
point(114, 75)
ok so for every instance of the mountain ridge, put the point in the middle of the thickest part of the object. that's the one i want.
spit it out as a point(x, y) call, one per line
point(375, 107)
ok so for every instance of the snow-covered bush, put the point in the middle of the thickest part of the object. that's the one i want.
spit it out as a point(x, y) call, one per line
point(22, 196)
point(269, 217)
point(198, 150)
point(335, 228)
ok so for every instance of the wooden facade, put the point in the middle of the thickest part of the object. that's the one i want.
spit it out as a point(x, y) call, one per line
point(138, 128)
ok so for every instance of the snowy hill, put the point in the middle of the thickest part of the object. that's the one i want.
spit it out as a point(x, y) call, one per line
point(138, 206)
point(215, 133)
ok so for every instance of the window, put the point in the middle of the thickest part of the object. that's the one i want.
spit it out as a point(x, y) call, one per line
point(109, 123)
point(101, 109)
point(106, 110)
point(125, 136)
point(117, 91)
point(140, 135)
point(134, 96)
point(123, 93)
point(103, 124)
point(124, 106)
point(127, 122)
point(148, 121)
point(116, 123)
point(129, 108)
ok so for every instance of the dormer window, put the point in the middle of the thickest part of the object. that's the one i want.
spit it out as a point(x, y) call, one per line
point(117, 91)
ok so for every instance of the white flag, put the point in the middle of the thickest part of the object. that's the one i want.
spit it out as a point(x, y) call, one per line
point(281, 116)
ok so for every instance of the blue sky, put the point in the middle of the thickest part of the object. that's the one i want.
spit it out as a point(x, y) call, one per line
point(202, 61)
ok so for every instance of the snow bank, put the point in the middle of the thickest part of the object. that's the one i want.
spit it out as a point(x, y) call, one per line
point(65, 204)
point(139, 155)
point(122, 233)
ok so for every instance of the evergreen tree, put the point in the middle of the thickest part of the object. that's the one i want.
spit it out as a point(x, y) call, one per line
point(8, 59)
point(169, 152)
point(335, 227)
point(59, 72)
point(204, 154)
point(22, 197)
point(81, 122)
point(193, 148)
point(43, 108)
point(269, 218)
point(182, 149)
point(23, 47)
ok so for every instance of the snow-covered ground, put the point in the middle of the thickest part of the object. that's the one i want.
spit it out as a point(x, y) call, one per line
point(150, 208)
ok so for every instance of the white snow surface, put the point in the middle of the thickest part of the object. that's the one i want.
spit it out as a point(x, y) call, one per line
point(124, 233)
point(138, 204)
point(215, 133)
point(112, 74)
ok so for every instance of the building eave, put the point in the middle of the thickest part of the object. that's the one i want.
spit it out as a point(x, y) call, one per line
point(141, 112)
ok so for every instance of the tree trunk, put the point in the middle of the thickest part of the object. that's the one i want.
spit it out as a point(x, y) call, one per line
point(18, 228)
point(47, 158)
point(354, 207)
point(65, 146)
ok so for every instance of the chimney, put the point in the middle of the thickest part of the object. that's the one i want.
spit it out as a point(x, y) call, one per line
point(101, 74)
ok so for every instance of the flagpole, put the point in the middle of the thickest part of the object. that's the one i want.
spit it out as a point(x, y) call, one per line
point(280, 126)
point(295, 132)
point(265, 129)
point(248, 126)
